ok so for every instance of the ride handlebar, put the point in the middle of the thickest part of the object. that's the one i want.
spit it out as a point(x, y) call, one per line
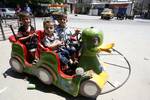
point(13, 32)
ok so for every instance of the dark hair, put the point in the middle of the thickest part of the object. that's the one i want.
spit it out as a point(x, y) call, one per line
point(47, 20)
point(24, 14)
point(61, 16)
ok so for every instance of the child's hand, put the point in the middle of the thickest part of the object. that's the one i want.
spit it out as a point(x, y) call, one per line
point(33, 34)
point(77, 31)
point(58, 42)
point(62, 43)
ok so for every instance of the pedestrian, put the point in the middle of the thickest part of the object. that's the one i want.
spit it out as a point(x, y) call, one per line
point(18, 9)
point(27, 9)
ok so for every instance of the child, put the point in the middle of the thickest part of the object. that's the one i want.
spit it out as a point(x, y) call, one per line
point(61, 29)
point(52, 41)
point(27, 35)
point(75, 39)
point(64, 34)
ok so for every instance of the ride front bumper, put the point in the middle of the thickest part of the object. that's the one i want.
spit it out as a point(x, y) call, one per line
point(98, 79)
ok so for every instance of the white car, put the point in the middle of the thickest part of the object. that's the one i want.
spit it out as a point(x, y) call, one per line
point(7, 13)
point(107, 14)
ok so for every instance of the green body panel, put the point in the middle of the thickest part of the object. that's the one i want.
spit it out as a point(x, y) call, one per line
point(69, 85)
point(90, 63)
point(48, 60)
point(17, 50)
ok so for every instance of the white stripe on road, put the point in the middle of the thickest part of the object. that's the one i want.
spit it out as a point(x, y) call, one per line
point(4, 89)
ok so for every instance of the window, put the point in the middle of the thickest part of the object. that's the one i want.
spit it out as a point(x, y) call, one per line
point(3, 10)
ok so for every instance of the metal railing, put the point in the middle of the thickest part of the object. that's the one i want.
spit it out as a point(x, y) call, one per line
point(5, 30)
point(1, 27)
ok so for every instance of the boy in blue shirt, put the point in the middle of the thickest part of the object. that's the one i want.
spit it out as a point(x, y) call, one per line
point(64, 34)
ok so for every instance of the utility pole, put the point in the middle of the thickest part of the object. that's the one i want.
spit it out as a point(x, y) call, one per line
point(132, 7)
point(142, 6)
point(1, 27)
point(74, 6)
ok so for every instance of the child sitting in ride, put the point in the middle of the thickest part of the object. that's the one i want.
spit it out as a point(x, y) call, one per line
point(27, 36)
point(65, 34)
point(51, 41)
point(61, 29)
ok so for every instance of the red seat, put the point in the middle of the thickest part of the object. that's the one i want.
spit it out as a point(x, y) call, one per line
point(40, 45)
point(12, 38)
point(42, 48)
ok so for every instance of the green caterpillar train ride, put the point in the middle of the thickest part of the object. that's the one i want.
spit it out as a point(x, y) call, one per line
point(90, 77)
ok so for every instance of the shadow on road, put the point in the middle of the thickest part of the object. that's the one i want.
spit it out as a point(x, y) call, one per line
point(12, 73)
point(42, 87)
point(53, 89)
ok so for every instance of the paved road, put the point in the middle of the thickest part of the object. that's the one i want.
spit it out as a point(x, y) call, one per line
point(131, 37)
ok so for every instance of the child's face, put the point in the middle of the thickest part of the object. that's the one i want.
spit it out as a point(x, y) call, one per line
point(49, 28)
point(26, 21)
point(62, 22)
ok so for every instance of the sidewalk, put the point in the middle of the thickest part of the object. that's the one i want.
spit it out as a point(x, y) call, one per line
point(71, 17)
point(89, 17)
point(78, 16)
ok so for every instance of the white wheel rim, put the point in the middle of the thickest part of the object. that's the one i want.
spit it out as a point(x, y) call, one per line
point(16, 65)
point(44, 76)
point(90, 89)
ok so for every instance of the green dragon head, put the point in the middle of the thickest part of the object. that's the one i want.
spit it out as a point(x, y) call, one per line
point(92, 39)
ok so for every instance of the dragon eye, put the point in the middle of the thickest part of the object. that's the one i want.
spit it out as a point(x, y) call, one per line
point(96, 41)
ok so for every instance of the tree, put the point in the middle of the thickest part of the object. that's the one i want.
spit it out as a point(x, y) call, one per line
point(46, 1)
point(59, 1)
point(13, 3)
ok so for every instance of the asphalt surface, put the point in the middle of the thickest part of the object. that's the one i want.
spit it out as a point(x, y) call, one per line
point(131, 38)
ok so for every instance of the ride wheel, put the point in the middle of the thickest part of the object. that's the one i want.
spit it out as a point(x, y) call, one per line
point(118, 68)
point(44, 76)
point(90, 89)
point(16, 65)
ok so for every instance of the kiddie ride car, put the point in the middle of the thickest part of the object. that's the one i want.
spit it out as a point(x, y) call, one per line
point(89, 78)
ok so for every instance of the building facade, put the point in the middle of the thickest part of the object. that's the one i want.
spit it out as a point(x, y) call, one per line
point(95, 7)
point(141, 5)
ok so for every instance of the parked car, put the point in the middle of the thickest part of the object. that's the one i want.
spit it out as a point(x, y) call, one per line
point(7, 13)
point(120, 16)
point(107, 14)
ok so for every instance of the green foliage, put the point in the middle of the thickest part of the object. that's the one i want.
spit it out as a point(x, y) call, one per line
point(15, 2)
point(31, 2)
point(59, 1)
point(46, 1)
point(39, 1)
